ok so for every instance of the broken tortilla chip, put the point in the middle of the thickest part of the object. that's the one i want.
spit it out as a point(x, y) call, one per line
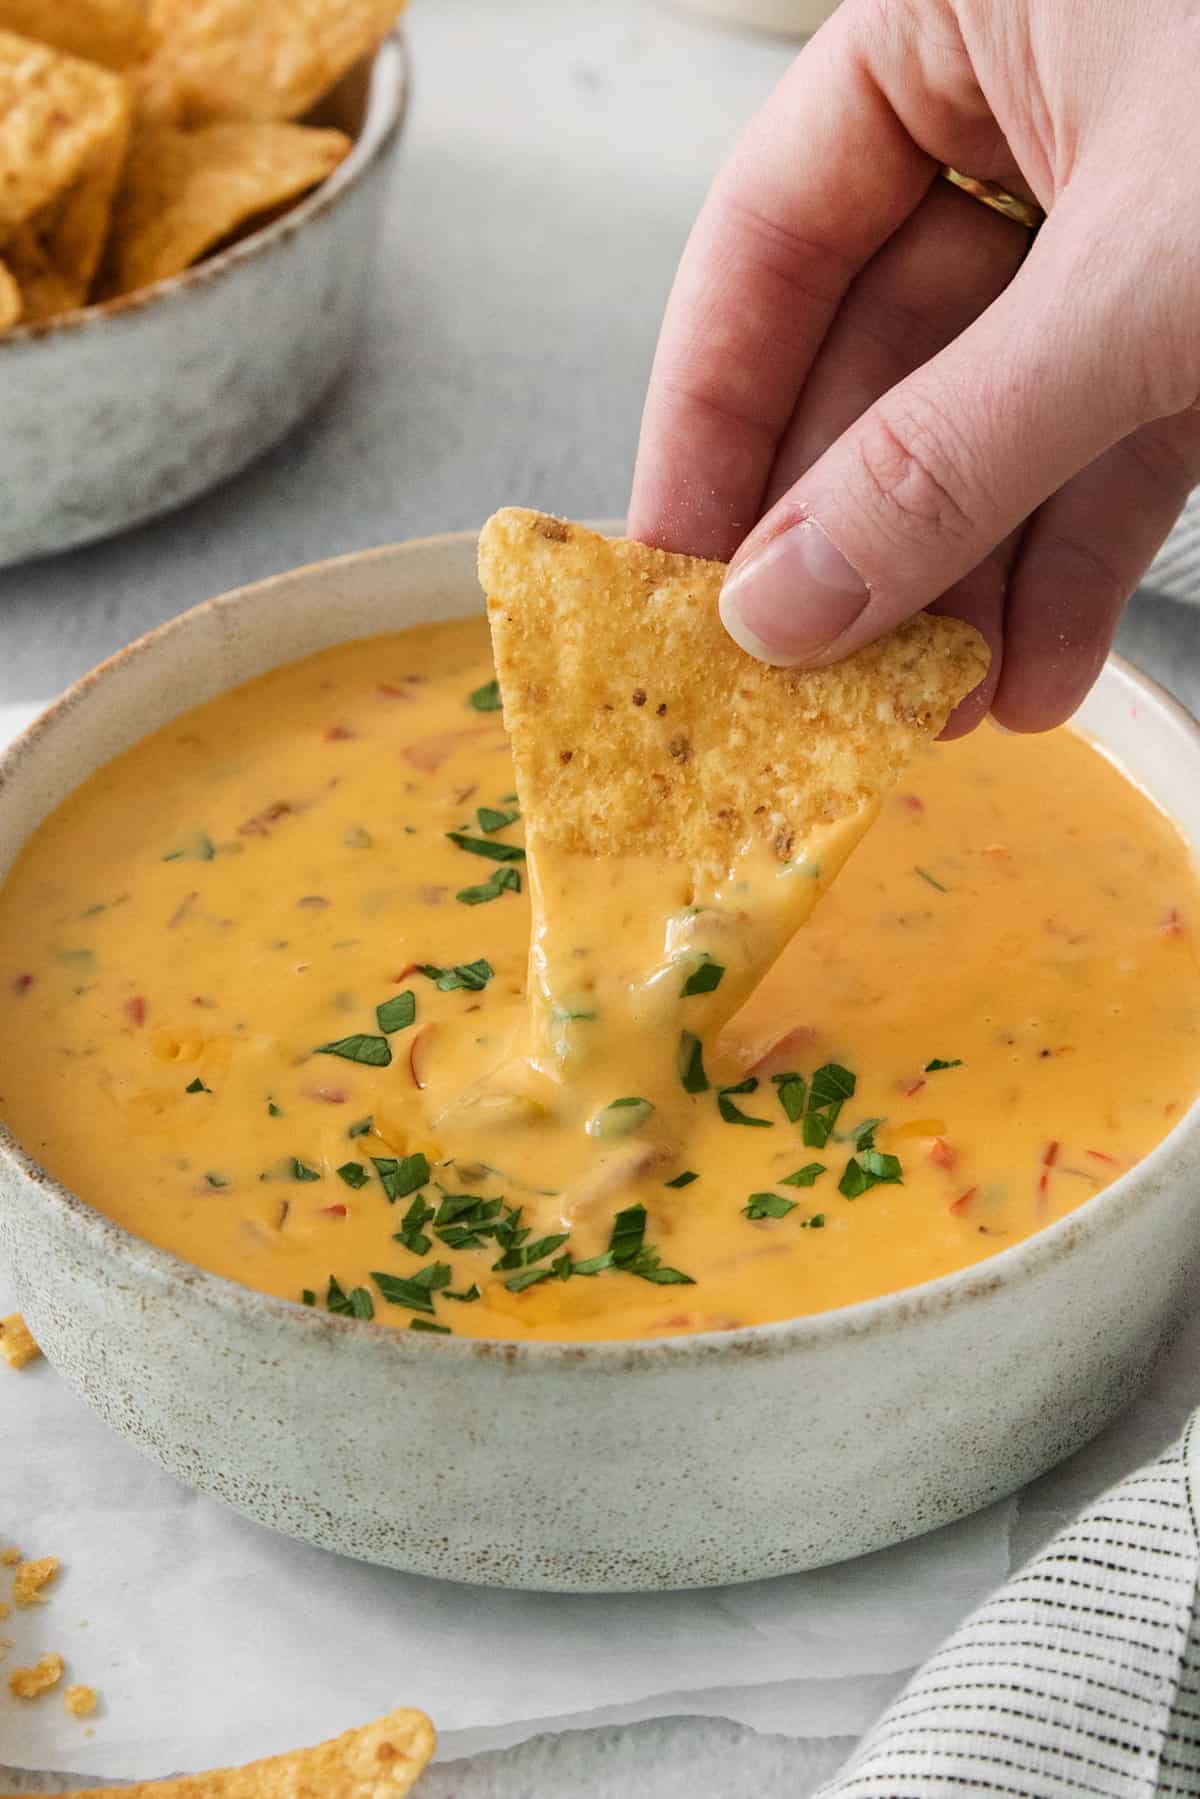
point(378, 1761)
point(185, 191)
point(63, 126)
point(10, 298)
point(115, 33)
point(253, 59)
point(639, 726)
point(18, 1349)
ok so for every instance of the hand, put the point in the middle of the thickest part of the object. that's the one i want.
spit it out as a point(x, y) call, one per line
point(898, 397)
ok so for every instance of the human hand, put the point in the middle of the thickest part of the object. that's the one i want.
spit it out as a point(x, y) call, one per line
point(867, 389)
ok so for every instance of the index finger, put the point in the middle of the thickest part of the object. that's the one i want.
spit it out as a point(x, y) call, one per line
point(821, 178)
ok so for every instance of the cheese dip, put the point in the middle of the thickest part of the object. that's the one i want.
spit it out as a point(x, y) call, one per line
point(265, 980)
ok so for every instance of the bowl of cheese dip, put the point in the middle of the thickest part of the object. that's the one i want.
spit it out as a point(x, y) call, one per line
point(264, 922)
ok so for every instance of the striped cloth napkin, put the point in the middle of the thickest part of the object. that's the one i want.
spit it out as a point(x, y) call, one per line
point(1176, 568)
point(1080, 1677)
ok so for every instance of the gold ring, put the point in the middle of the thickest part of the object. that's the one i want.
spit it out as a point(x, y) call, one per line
point(1021, 212)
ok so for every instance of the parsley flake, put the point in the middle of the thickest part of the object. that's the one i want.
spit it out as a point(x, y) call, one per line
point(274, 1111)
point(870, 1169)
point(354, 1174)
point(768, 1205)
point(490, 820)
point(733, 1114)
point(427, 1324)
point(931, 879)
point(362, 1128)
point(485, 698)
point(691, 1063)
point(197, 1086)
point(355, 1304)
point(704, 979)
point(471, 976)
point(932, 1067)
point(790, 1090)
point(803, 1177)
point(505, 880)
point(402, 1175)
point(396, 1014)
point(414, 1291)
point(412, 1233)
point(487, 847)
point(374, 1051)
point(620, 1118)
point(683, 1180)
point(831, 1086)
point(300, 1171)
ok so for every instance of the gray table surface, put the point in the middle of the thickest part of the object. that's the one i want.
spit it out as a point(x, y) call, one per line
point(556, 154)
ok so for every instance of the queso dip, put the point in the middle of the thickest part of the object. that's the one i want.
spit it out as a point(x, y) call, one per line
point(265, 980)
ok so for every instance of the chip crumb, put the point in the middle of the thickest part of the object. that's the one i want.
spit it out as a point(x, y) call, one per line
point(10, 1557)
point(30, 1683)
point(80, 1701)
point(16, 1341)
point(5, 1608)
point(31, 1577)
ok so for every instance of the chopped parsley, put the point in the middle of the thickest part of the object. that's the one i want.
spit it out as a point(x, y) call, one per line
point(427, 1324)
point(803, 1177)
point(467, 1295)
point(932, 879)
point(485, 698)
point(412, 1229)
point(525, 1256)
point(704, 979)
point(354, 1174)
point(274, 1111)
point(197, 1086)
point(355, 1304)
point(307, 1297)
point(831, 1086)
point(414, 1291)
point(815, 1223)
point(490, 820)
point(199, 848)
point(869, 1169)
point(487, 846)
point(932, 1067)
point(790, 1090)
point(731, 1113)
point(768, 1205)
point(402, 1175)
point(374, 1051)
point(683, 1180)
point(361, 1128)
point(396, 1014)
point(620, 1118)
point(863, 1135)
point(505, 880)
point(472, 976)
point(300, 1171)
point(216, 1180)
point(691, 1063)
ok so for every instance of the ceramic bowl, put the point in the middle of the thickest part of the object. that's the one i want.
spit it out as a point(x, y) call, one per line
point(124, 410)
point(587, 1467)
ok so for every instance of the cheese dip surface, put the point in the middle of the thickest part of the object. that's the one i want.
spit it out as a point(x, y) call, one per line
point(265, 980)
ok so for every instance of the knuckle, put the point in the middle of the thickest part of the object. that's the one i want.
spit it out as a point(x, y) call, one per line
point(1164, 464)
point(1096, 583)
point(915, 478)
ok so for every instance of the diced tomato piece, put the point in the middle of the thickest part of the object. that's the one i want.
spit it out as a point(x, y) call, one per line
point(911, 1087)
point(959, 1205)
point(335, 1211)
point(912, 802)
point(332, 1096)
point(339, 734)
point(135, 1010)
point(1173, 925)
point(1098, 1155)
point(786, 1052)
point(23, 983)
point(942, 1154)
point(429, 753)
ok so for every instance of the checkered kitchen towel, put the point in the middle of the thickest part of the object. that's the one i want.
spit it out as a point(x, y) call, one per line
point(1078, 1678)
point(1176, 569)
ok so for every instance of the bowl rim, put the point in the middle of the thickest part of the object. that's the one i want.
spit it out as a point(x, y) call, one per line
point(887, 1312)
point(388, 94)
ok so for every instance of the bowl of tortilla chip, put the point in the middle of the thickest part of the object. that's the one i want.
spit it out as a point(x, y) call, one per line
point(190, 199)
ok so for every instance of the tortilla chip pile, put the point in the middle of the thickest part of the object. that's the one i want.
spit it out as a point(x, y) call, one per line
point(138, 135)
point(639, 727)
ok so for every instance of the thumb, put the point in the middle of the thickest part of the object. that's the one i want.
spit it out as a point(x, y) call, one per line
point(938, 472)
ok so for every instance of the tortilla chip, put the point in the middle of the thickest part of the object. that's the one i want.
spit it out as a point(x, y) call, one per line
point(639, 726)
point(10, 306)
point(113, 32)
point(254, 59)
point(185, 191)
point(379, 1761)
point(63, 125)
point(18, 1349)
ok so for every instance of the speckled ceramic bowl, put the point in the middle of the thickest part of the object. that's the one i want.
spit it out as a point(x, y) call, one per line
point(121, 411)
point(601, 1466)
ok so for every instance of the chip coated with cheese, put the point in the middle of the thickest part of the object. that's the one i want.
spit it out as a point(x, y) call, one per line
point(31, 1683)
point(17, 1347)
point(380, 1760)
point(266, 980)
